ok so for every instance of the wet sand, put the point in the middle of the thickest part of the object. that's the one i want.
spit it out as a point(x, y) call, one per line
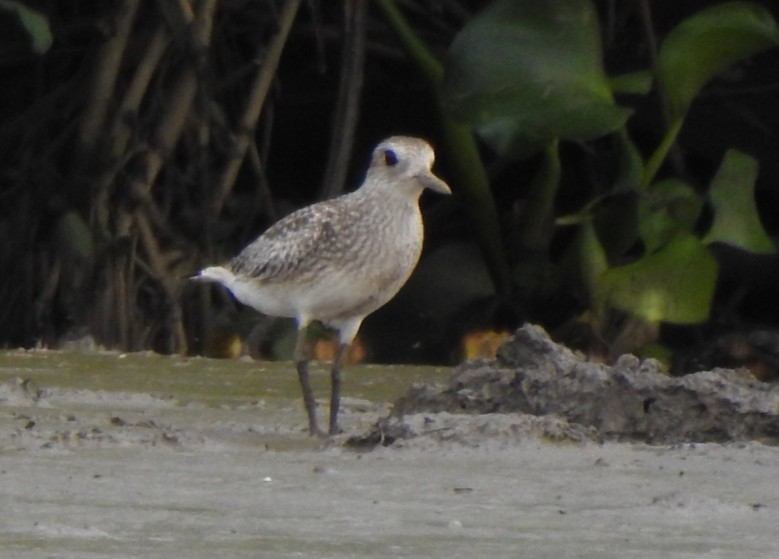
point(147, 456)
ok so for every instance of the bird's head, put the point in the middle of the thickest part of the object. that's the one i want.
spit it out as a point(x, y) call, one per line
point(404, 163)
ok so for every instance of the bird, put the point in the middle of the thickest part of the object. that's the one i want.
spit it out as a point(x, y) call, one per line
point(338, 260)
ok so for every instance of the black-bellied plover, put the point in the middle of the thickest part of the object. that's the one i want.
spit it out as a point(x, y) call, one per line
point(339, 260)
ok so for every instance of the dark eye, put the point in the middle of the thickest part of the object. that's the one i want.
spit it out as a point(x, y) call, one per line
point(390, 158)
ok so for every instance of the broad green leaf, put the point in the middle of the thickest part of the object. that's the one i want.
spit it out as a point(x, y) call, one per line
point(707, 43)
point(675, 284)
point(732, 195)
point(667, 208)
point(637, 83)
point(525, 73)
point(34, 22)
point(630, 169)
point(537, 224)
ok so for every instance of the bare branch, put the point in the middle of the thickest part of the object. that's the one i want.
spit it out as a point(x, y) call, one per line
point(349, 95)
point(259, 91)
point(104, 77)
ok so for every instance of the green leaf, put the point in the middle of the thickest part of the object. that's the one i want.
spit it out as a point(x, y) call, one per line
point(732, 195)
point(615, 218)
point(34, 22)
point(707, 43)
point(668, 208)
point(592, 264)
point(525, 73)
point(637, 83)
point(675, 284)
point(537, 224)
point(630, 167)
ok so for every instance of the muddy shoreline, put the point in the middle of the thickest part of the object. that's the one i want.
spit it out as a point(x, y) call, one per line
point(146, 456)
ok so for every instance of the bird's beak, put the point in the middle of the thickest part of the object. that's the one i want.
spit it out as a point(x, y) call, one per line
point(429, 180)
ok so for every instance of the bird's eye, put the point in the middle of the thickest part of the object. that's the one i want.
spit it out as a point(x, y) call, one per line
point(390, 158)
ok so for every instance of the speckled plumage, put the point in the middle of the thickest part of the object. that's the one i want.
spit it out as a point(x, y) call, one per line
point(339, 260)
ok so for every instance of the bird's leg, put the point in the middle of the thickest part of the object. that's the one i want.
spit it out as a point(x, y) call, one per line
point(301, 362)
point(335, 388)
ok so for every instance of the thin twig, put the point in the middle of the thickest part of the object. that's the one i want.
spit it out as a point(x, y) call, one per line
point(251, 114)
point(263, 194)
point(159, 267)
point(349, 95)
point(668, 148)
point(104, 77)
point(121, 129)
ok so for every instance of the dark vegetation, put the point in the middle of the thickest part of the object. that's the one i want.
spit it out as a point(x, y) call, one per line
point(614, 163)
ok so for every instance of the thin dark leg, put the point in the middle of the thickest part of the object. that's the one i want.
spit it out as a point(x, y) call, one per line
point(335, 388)
point(301, 361)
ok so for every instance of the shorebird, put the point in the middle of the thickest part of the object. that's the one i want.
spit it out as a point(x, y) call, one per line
point(338, 260)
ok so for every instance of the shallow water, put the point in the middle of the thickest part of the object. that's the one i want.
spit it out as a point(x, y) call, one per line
point(149, 456)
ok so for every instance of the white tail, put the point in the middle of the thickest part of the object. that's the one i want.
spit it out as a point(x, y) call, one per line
point(217, 274)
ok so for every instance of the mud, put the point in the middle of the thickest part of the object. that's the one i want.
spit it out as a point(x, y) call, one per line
point(537, 387)
point(145, 456)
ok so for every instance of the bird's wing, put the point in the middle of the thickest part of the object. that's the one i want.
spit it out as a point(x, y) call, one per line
point(287, 247)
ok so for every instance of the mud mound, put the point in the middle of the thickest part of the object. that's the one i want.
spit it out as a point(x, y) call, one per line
point(629, 401)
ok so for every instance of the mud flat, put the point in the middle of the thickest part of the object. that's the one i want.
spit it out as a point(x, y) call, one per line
point(146, 456)
point(536, 387)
